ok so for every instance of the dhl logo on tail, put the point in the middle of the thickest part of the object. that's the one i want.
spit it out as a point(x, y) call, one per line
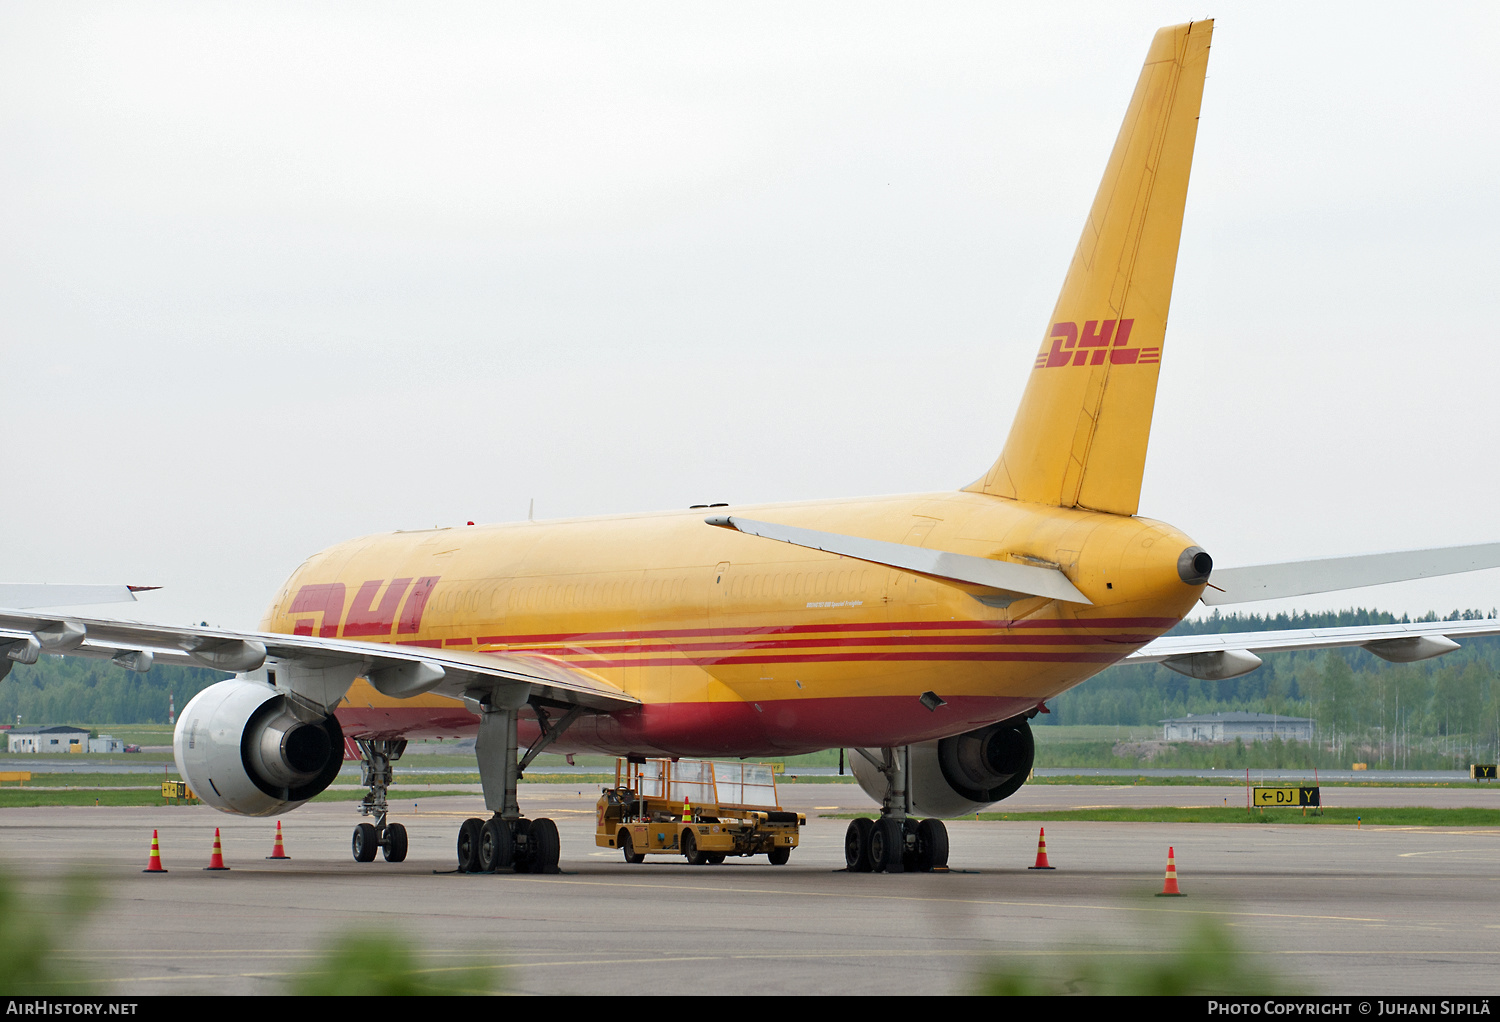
point(1098, 339)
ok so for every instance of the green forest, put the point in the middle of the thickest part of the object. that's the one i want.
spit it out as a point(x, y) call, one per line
point(78, 690)
point(1430, 715)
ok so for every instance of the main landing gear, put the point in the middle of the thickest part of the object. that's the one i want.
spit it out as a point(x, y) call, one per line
point(377, 755)
point(895, 843)
point(507, 841)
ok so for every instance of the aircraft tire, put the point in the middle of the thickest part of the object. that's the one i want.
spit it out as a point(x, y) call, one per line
point(497, 846)
point(396, 844)
point(364, 843)
point(468, 845)
point(545, 846)
point(857, 845)
point(887, 846)
point(932, 845)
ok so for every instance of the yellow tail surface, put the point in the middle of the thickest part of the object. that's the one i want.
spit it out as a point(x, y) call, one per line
point(1079, 436)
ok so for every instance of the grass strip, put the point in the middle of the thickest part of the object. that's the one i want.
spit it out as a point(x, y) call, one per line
point(1229, 780)
point(1381, 817)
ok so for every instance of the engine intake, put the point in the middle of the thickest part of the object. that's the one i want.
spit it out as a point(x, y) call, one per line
point(244, 747)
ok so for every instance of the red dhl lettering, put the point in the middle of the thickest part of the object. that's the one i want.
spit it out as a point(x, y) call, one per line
point(1099, 340)
point(372, 613)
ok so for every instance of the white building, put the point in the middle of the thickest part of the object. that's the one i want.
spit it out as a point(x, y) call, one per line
point(1226, 727)
point(53, 738)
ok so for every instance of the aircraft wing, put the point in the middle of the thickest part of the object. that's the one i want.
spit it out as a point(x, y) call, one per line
point(1331, 574)
point(1230, 654)
point(321, 668)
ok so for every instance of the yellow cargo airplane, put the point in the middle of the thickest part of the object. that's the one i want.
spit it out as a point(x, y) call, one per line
point(920, 631)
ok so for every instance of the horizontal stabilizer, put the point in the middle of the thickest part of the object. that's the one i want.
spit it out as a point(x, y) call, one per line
point(24, 597)
point(1000, 577)
point(1299, 578)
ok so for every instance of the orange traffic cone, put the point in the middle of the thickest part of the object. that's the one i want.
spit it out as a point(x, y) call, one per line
point(1041, 852)
point(216, 860)
point(279, 850)
point(1169, 888)
point(154, 866)
point(687, 810)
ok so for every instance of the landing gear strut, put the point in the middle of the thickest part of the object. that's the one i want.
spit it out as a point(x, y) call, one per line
point(376, 757)
point(508, 840)
point(895, 843)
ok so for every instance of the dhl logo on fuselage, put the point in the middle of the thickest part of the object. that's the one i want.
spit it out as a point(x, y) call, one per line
point(1099, 339)
point(366, 616)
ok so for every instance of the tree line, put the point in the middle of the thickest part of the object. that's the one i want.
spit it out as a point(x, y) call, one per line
point(85, 692)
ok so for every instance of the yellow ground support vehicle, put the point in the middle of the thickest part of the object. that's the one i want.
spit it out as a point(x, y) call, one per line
point(696, 808)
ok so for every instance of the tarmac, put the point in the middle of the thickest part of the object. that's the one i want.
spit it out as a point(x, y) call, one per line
point(1313, 909)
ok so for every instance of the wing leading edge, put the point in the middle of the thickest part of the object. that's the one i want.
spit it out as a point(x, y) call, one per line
point(318, 669)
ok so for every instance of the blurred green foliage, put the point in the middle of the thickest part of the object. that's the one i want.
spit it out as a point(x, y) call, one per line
point(1203, 960)
point(32, 930)
point(369, 965)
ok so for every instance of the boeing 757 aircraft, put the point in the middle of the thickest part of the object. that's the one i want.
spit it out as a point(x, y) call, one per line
point(921, 631)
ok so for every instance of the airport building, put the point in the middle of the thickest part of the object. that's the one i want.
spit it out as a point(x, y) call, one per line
point(54, 738)
point(1226, 727)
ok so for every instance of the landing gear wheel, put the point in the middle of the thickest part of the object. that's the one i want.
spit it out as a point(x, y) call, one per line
point(887, 846)
point(910, 854)
point(468, 846)
point(627, 848)
point(365, 842)
point(857, 845)
point(497, 847)
point(520, 840)
point(690, 849)
point(779, 855)
point(544, 846)
point(395, 843)
point(932, 845)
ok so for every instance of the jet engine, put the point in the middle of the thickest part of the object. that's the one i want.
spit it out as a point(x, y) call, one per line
point(246, 747)
point(960, 774)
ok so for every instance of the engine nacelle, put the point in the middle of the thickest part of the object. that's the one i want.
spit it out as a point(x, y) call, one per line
point(961, 774)
point(244, 747)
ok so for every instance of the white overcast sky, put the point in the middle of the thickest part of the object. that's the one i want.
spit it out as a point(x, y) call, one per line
point(276, 275)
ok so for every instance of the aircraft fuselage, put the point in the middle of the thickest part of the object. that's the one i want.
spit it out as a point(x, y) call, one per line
point(738, 645)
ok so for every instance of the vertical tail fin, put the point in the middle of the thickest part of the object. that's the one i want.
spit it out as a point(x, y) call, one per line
point(1079, 436)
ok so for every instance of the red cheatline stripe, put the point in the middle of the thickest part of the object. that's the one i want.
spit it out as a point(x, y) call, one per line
point(867, 640)
point(853, 626)
point(812, 658)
